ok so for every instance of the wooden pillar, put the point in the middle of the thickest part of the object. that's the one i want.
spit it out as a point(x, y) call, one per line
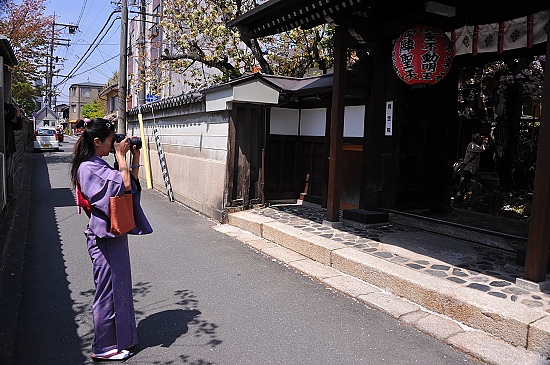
point(374, 140)
point(337, 124)
point(539, 229)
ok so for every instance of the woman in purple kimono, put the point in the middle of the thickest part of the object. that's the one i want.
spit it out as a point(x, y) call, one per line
point(95, 181)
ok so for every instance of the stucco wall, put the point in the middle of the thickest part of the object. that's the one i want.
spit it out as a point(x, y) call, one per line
point(195, 147)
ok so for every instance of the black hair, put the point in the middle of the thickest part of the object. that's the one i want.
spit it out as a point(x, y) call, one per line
point(84, 147)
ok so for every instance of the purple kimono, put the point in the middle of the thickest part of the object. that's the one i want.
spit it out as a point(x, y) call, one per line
point(113, 307)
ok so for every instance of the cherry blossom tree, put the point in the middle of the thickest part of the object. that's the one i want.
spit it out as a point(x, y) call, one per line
point(29, 32)
point(199, 45)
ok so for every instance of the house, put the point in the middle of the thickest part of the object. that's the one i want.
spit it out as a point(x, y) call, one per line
point(110, 95)
point(47, 117)
point(208, 147)
point(409, 131)
point(80, 95)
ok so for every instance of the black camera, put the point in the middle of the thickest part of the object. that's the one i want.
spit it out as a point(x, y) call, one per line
point(134, 141)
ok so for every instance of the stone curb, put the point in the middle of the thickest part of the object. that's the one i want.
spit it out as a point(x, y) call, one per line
point(407, 295)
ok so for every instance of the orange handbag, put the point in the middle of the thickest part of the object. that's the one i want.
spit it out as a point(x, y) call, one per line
point(122, 214)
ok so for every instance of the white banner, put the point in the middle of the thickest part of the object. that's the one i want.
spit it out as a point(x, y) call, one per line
point(464, 40)
point(515, 34)
point(541, 23)
point(487, 39)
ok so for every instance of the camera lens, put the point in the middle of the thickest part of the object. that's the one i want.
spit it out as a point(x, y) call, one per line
point(135, 141)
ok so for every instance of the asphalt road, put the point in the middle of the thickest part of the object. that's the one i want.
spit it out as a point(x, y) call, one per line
point(201, 297)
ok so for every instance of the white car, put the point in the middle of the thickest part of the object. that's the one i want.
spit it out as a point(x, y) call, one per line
point(46, 138)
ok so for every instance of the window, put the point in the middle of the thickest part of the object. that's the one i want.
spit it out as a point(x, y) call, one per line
point(85, 92)
point(45, 132)
point(73, 108)
point(113, 103)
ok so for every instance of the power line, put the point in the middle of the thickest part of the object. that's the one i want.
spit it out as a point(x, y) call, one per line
point(86, 54)
point(81, 12)
point(96, 66)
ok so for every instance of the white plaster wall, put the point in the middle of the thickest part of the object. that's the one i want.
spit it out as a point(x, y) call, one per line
point(195, 149)
point(284, 121)
point(354, 121)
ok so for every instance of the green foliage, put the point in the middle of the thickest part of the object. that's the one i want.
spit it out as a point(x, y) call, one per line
point(96, 109)
point(24, 93)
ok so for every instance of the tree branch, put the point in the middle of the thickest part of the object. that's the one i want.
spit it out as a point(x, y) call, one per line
point(221, 64)
point(254, 46)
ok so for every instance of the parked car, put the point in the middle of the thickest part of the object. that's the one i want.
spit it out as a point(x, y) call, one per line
point(46, 138)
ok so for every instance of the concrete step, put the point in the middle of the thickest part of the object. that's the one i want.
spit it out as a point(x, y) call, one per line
point(525, 329)
point(461, 229)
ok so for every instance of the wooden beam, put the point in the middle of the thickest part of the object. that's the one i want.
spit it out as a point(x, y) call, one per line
point(337, 124)
point(539, 228)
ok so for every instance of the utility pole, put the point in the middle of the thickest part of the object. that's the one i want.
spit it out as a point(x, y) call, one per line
point(141, 64)
point(49, 69)
point(123, 67)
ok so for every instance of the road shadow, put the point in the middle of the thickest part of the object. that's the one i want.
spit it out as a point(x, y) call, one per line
point(46, 304)
point(164, 328)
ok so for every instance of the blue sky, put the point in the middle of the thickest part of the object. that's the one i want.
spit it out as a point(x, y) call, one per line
point(99, 63)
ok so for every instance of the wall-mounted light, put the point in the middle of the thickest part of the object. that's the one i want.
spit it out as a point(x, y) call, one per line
point(440, 9)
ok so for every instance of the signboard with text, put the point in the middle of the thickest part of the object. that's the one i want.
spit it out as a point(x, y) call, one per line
point(389, 118)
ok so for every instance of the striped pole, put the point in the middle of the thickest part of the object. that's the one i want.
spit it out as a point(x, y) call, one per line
point(163, 167)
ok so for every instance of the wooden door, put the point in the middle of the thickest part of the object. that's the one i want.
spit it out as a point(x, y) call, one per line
point(244, 156)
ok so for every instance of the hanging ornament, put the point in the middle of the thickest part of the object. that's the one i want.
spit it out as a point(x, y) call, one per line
point(422, 55)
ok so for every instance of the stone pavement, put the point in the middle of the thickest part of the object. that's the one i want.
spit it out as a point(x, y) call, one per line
point(458, 291)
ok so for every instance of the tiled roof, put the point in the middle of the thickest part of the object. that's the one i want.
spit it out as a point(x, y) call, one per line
point(182, 99)
point(6, 51)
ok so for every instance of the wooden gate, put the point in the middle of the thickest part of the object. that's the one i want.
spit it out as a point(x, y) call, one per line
point(246, 138)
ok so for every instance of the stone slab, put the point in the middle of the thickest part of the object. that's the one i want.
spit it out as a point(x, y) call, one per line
point(492, 315)
point(388, 303)
point(260, 244)
point(310, 245)
point(365, 216)
point(315, 269)
point(533, 286)
point(438, 326)
point(248, 221)
point(539, 337)
point(350, 286)
point(283, 254)
point(493, 351)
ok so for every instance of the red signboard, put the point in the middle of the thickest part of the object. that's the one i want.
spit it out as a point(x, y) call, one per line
point(422, 55)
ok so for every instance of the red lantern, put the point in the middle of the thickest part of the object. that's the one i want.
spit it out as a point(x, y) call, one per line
point(422, 55)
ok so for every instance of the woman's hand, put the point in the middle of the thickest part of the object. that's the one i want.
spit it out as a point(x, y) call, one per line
point(134, 162)
point(123, 147)
point(135, 153)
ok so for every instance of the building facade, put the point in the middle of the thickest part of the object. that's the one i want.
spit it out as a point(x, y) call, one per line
point(80, 95)
point(110, 95)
